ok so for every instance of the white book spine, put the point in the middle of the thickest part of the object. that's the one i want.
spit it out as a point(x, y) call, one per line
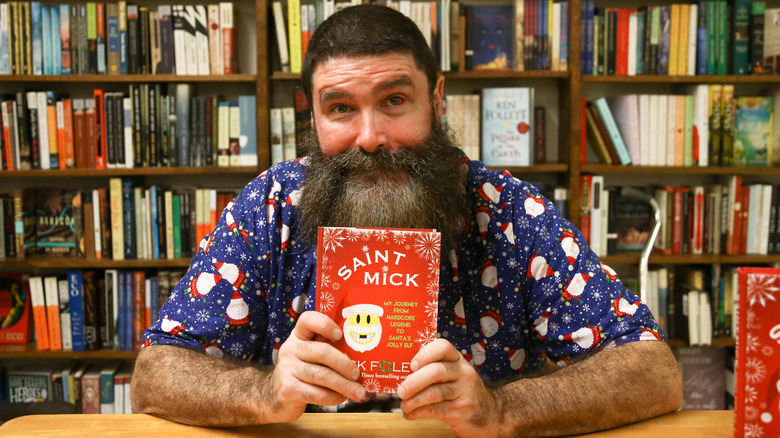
point(555, 38)
point(276, 135)
point(215, 40)
point(190, 41)
point(179, 40)
point(692, 30)
point(644, 128)
point(596, 214)
point(632, 25)
point(281, 35)
point(127, 107)
point(67, 338)
point(5, 47)
point(288, 133)
point(202, 39)
point(97, 227)
point(660, 153)
point(671, 128)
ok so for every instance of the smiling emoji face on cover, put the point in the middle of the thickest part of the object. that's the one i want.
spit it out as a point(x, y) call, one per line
point(362, 326)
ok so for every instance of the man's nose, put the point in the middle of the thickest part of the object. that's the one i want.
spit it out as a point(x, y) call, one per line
point(371, 136)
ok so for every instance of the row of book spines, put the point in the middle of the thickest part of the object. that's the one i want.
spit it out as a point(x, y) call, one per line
point(707, 38)
point(718, 219)
point(700, 129)
point(543, 25)
point(715, 315)
point(116, 38)
point(110, 130)
point(93, 389)
point(80, 312)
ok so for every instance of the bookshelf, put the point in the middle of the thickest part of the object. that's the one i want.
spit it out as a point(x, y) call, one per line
point(256, 51)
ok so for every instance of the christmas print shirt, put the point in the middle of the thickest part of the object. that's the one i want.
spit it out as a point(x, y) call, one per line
point(522, 288)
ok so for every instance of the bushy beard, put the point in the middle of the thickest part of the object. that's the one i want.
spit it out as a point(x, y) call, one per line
point(419, 186)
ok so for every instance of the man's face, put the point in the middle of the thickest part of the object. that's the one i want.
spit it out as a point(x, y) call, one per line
point(377, 102)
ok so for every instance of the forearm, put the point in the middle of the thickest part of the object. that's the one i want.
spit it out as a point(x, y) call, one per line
point(614, 387)
point(190, 387)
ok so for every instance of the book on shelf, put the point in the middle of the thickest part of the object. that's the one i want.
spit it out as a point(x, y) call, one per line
point(29, 385)
point(114, 38)
point(753, 131)
point(492, 35)
point(704, 377)
point(385, 328)
point(507, 121)
point(16, 310)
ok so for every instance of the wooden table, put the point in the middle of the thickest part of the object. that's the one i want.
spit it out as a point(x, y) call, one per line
point(689, 424)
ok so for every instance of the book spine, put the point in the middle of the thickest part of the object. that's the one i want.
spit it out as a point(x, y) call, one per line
point(294, 35)
point(53, 312)
point(612, 130)
point(757, 12)
point(65, 324)
point(215, 40)
point(100, 36)
point(121, 27)
point(56, 40)
point(75, 288)
point(128, 220)
point(248, 129)
point(92, 50)
point(112, 28)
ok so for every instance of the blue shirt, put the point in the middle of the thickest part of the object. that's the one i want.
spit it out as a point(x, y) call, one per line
point(522, 288)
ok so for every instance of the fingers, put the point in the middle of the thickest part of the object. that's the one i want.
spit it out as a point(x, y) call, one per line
point(313, 323)
point(437, 362)
point(439, 350)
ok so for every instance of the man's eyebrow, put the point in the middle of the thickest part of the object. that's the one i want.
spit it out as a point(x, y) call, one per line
point(330, 95)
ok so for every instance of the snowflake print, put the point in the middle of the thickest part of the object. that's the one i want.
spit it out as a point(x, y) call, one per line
point(371, 385)
point(237, 349)
point(353, 234)
point(399, 237)
point(335, 286)
point(754, 430)
point(380, 235)
point(755, 370)
point(432, 289)
point(523, 222)
point(432, 311)
point(365, 248)
point(202, 315)
point(750, 394)
point(512, 263)
point(767, 350)
point(332, 238)
point(752, 342)
point(761, 288)
point(591, 265)
point(229, 250)
point(544, 233)
point(326, 302)
point(426, 245)
point(751, 413)
point(253, 337)
point(243, 256)
point(253, 194)
point(426, 336)
point(553, 327)
point(224, 334)
point(433, 267)
point(324, 281)
point(566, 318)
point(586, 307)
point(549, 288)
point(291, 174)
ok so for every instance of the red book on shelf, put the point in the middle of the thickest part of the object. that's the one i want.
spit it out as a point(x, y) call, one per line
point(381, 286)
point(621, 64)
point(677, 227)
point(756, 368)
point(585, 183)
point(100, 130)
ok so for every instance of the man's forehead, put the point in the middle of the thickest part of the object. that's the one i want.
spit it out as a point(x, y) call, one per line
point(398, 67)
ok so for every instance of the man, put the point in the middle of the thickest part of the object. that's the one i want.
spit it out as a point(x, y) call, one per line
point(519, 289)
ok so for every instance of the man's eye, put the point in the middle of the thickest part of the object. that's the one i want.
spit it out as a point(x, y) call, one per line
point(396, 100)
point(340, 109)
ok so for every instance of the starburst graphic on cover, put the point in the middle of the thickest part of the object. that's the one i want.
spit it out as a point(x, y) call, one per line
point(381, 286)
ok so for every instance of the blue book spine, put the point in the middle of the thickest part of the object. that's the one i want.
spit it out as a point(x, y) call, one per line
point(122, 32)
point(76, 291)
point(56, 41)
point(65, 27)
point(640, 52)
point(663, 41)
point(154, 312)
point(248, 139)
point(37, 42)
point(155, 220)
point(120, 310)
point(701, 38)
point(113, 38)
point(5, 21)
point(128, 213)
point(107, 388)
point(46, 40)
point(541, 23)
point(564, 55)
point(587, 18)
point(613, 131)
point(128, 311)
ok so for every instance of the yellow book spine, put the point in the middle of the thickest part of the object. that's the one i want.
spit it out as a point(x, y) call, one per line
point(294, 35)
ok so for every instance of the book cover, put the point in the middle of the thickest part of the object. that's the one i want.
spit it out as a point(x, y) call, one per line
point(771, 50)
point(65, 325)
point(75, 287)
point(704, 377)
point(633, 221)
point(753, 131)
point(757, 370)
point(248, 138)
point(507, 118)
point(29, 385)
point(90, 392)
point(492, 35)
point(15, 308)
point(756, 41)
point(381, 287)
point(56, 230)
point(227, 38)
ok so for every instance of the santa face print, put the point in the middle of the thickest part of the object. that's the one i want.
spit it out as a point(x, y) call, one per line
point(362, 332)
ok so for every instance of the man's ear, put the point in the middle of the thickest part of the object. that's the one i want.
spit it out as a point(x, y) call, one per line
point(438, 96)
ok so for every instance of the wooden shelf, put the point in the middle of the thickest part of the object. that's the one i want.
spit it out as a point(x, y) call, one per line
point(705, 79)
point(717, 342)
point(689, 259)
point(97, 79)
point(536, 168)
point(607, 169)
point(77, 263)
point(475, 74)
point(30, 351)
point(141, 171)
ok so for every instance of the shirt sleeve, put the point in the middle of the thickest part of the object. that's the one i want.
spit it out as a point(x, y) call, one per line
point(578, 305)
point(220, 301)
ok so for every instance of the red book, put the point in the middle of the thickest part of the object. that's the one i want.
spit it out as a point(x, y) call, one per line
point(67, 120)
point(139, 308)
point(381, 286)
point(677, 227)
point(100, 130)
point(15, 305)
point(756, 368)
point(621, 64)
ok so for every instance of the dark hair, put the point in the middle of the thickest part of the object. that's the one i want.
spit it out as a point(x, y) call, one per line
point(367, 30)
